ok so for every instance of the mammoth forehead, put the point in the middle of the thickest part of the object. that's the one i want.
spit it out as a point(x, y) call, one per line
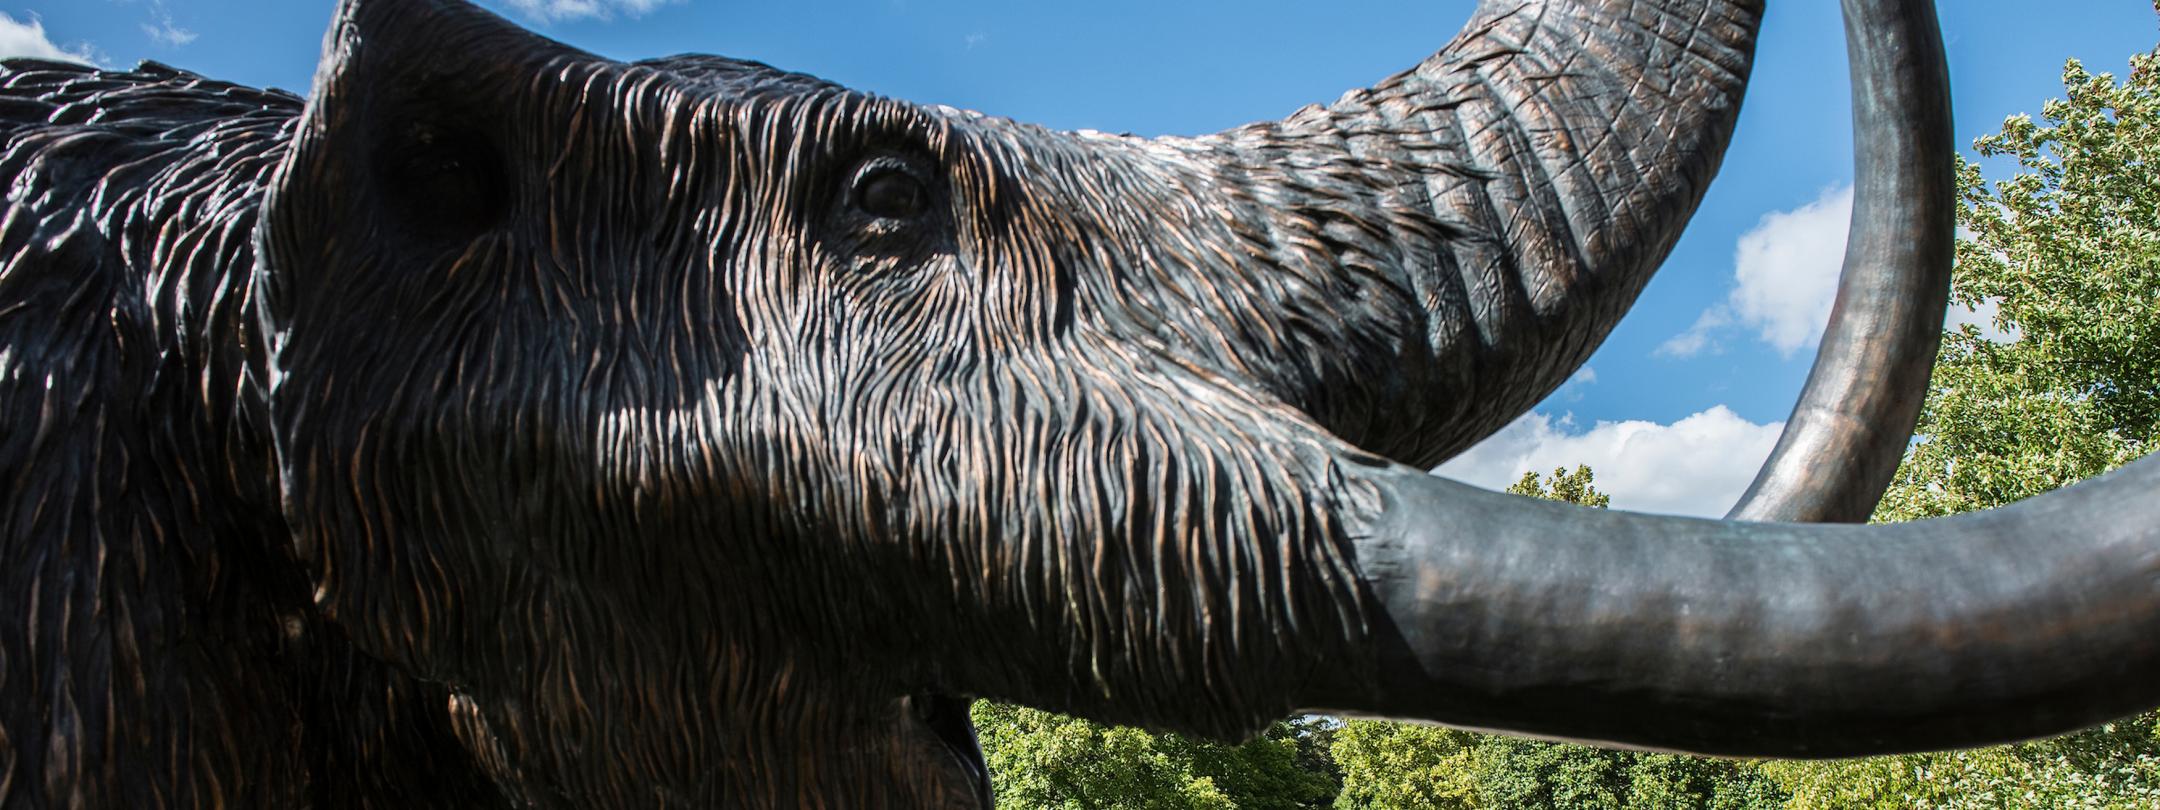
point(737, 78)
point(750, 80)
point(756, 107)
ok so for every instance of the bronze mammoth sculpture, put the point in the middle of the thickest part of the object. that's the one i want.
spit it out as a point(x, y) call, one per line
point(507, 426)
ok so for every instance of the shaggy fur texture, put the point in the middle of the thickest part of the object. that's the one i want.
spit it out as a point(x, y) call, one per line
point(513, 426)
point(161, 648)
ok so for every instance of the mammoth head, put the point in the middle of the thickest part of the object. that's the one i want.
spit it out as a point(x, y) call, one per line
point(708, 428)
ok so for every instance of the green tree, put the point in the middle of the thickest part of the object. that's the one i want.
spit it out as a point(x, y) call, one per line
point(2067, 386)
point(1576, 487)
point(1401, 766)
point(1673, 782)
point(2067, 251)
point(1042, 760)
point(1405, 766)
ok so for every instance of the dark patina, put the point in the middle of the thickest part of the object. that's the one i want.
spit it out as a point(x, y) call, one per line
point(506, 426)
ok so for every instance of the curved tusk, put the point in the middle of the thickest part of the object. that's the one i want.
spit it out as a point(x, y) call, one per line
point(1850, 427)
point(1760, 639)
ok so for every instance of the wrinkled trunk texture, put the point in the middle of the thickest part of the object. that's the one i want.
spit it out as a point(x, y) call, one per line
point(1762, 639)
point(1498, 207)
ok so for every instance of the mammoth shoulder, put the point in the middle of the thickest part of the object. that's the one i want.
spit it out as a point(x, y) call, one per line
point(108, 172)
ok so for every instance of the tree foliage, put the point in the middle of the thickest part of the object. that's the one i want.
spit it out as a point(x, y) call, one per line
point(1576, 487)
point(2063, 384)
point(2067, 254)
point(1405, 766)
point(2064, 387)
point(1039, 761)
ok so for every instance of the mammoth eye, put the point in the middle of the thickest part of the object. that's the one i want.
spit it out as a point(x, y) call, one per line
point(890, 192)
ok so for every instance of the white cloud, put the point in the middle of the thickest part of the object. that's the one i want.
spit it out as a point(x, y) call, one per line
point(1982, 318)
point(556, 10)
point(1697, 338)
point(1572, 390)
point(26, 39)
point(1697, 466)
point(1785, 275)
point(164, 32)
point(1785, 280)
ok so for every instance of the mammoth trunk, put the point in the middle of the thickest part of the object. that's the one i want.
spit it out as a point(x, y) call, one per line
point(1428, 257)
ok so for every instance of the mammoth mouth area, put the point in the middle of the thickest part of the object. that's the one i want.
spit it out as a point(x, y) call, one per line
point(946, 718)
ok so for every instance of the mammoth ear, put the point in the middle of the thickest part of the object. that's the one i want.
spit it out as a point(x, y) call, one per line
point(408, 140)
point(379, 47)
point(420, 94)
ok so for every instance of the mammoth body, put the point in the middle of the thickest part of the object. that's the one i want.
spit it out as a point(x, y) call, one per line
point(163, 649)
point(506, 426)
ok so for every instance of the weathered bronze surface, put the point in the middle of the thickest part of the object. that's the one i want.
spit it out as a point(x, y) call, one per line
point(1848, 431)
point(507, 426)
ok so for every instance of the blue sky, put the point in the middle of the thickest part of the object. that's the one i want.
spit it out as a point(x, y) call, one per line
point(1674, 411)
